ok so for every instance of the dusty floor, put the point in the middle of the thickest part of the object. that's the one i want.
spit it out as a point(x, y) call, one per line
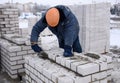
point(4, 78)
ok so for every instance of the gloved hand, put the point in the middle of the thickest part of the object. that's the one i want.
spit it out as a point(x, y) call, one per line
point(67, 51)
point(36, 48)
point(43, 54)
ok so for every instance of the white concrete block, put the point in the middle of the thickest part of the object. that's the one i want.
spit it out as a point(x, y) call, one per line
point(99, 76)
point(39, 81)
point(68, 63)
point(58, 59)
point(87, 69)
point(16, 58)
point(32, 76)
point(32, 63)
point(31, 69)
point(20, 61)
point(14, 48)
point(39, 75)
point(26, 47)
point(65, 79)
point(109, 72)
point(13, 76)
point(63, 60)
point(13, 72)
point(45, 64)
point(52, 56)
point(16, 67)
point(26, 77)
point(56, 75)
point(12, 54)
point(110, 65)
point(48, 73)
point(28, 43)
point(86, 79)
point(25, 65)
point(75, 64)
point(35, 72)
point(42, 78)
point(12, 62)
point(27, 71)
point(103, 65)
point(29, 79)
point(39, 68)
point(26, 58)
point(21, 70)
point(13, 16)
point(22, 53)
point(108, 58)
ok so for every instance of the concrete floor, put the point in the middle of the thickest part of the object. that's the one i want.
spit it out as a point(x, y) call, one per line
point(4, 78)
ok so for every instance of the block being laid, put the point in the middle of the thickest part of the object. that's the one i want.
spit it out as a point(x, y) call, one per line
point(87, 69)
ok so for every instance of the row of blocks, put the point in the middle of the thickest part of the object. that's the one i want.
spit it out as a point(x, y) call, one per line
point(19, 39)
point(80, 63)
point(39, 70)
point(94, 26)
point(8, 20)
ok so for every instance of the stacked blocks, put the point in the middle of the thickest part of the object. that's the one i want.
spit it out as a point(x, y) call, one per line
point(8, 19)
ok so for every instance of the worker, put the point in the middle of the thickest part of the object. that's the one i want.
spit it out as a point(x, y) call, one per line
point(63, 23)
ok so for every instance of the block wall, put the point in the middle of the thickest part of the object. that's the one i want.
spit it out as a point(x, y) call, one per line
point(94, 20)
point(59, 69)
point(8, 19)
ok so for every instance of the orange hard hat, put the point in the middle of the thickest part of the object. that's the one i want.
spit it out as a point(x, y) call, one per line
point(52, 17)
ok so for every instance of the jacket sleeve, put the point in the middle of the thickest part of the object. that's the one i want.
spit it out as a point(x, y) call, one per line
point(37, 29)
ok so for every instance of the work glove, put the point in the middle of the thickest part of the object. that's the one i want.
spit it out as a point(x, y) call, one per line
point(67, 51)
point(43, 55)
point(36, 48)
point(40, 52)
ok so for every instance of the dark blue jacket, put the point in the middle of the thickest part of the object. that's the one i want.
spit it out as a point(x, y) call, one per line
point(66, 31)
